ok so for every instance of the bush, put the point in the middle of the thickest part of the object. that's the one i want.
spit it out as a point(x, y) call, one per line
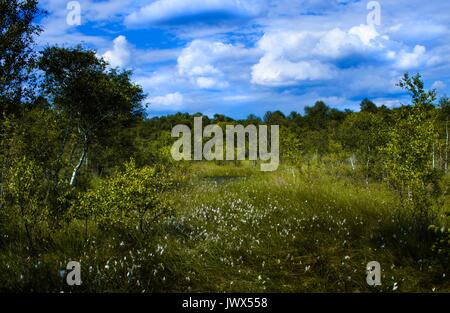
point(441, 231)
point(130, 199)
point(442, 243)
point(25, 197)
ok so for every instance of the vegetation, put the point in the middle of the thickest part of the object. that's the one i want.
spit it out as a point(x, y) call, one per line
point(86, 176)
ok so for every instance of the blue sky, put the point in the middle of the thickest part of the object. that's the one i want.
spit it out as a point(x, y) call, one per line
point(238, 57)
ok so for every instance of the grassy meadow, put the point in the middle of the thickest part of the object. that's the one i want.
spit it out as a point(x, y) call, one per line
point(232, 228)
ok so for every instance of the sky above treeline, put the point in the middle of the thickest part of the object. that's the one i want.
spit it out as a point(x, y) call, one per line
point(237, 57)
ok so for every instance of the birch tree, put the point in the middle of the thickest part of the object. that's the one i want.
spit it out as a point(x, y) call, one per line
point(409, 149)
point(90, 97)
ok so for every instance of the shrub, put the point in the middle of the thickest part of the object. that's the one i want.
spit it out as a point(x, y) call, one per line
point(131, 198)
point(442, 243)
point(25, 193)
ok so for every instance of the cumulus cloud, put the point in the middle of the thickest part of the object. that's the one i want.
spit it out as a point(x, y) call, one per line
point(169, 100)
point(157, 80)
point(291, 57)
point(359, 39)
point(209, 82)
point(164, 10)
point(282, 72)
point(366, 33)
point(409, 60)
point(120, 53)
point(202, 62)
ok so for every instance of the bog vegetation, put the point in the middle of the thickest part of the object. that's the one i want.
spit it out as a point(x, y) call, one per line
point(86, 176)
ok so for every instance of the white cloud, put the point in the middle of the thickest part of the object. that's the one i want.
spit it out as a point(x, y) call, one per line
point(439, 85)
point(195, 62)
point(120, 53)
point(391, 55)
point(124, 54)
point(390, 103)
point(291, 57)
point(106, 10)
point(56, 30)
point(366, 33)
point(197, 57)
point(169, 100)
point(359, 39)
point(288, 44)
point(209, 82)
point(336, 43)
point(203, 62)
point(240, 98)
point(409, 60)
point(162, 10)
point(142, 56)
point(92, 10)
point(156, 79)
point(282, 72)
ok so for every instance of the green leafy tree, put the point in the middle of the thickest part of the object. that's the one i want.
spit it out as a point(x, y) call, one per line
point(275, 118)
point(443, 123)
point(368, 106)
point(290, 146)
point(409, 148)
point(363, 134)
point(314, 134)
point(17, 33)
point(317, 117)
point(95, 102)
point(415, 88)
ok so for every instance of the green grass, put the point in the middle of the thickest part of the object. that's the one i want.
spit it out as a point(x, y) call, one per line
point(236, 229)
